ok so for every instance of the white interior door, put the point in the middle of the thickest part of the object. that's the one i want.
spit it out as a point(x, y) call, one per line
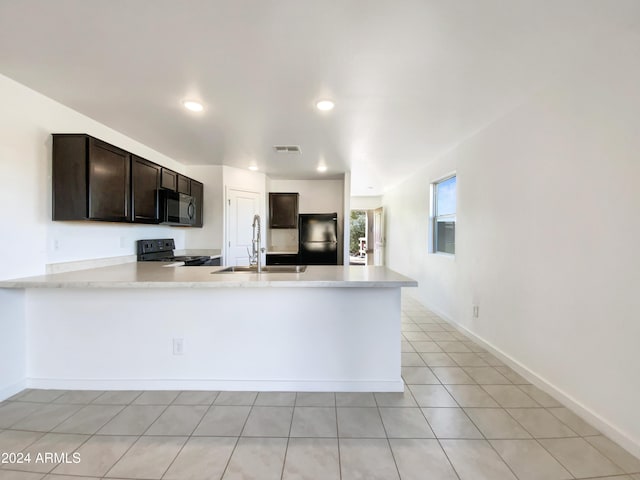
point(241, 207)
point(378, 237)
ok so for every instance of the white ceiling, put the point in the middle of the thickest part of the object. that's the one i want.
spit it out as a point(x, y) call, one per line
point(410, 78)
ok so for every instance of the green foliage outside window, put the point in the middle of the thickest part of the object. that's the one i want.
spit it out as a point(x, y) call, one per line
point(358, 229)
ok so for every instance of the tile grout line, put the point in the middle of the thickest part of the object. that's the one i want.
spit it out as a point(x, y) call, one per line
point(448, 459)
point(138, 436)
point(335, 406)
point(436, 436)
point(386, 435)
point(190, 436)
point(486, 440)
point(50, 432)
point(235, 447)
point(481, 433)
point(555, 458)
point(607, 456)
point(90, 436)
point(425, 364)
point(94, 434)
point(537, 437)
point(489, 442)
point(286, 450)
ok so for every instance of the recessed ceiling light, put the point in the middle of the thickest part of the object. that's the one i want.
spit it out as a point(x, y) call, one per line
point(253, 168)
point(322, 168)
point(193, 105)
point(325, 105)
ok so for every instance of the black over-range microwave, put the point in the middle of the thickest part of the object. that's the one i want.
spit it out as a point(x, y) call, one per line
point(177, 208)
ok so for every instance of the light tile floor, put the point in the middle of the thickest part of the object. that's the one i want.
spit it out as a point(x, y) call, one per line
point(464, 415)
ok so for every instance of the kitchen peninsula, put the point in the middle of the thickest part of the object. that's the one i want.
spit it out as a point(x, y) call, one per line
point(151, 326)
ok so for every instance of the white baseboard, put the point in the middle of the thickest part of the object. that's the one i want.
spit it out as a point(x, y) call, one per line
point(610, 430)
point(215, 384)
point(10, 390)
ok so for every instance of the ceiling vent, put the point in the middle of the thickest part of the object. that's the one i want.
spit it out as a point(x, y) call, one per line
point(287, 148)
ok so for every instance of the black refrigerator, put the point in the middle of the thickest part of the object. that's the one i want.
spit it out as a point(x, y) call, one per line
point(318, 239)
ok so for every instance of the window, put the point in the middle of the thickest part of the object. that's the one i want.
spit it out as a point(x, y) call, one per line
point(444, 216)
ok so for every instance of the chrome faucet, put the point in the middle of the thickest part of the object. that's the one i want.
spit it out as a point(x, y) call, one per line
point(256, 252)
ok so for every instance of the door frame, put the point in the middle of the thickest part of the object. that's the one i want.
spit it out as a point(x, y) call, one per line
point(227, 204)
point(378, 246)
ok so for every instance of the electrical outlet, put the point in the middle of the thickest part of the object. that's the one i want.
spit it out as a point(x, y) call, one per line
point(476, 311)
point(178, 346)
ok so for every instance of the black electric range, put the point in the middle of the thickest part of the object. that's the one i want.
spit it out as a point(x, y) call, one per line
point(161, 250)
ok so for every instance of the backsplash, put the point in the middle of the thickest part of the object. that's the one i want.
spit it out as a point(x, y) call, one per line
point(283, 237)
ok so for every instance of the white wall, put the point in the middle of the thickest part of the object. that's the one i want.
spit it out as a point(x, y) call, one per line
point(27, 120)
point(269, 343)
point(212, 233)
point(217, 179)
point(547, 237)
point(370, 202)
point(406, 210)
point(28, 237)
point(248, 181)
point(316, 196)
point(13, 342)
point(241, 179)
point(346, 214)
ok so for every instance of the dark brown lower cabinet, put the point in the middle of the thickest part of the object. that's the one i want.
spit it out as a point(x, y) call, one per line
point(282, 259)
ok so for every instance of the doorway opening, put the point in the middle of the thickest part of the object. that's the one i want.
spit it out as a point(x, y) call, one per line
point(366, 242)
point(358, 237)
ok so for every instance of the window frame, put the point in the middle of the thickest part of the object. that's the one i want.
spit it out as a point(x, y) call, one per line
point(433, 229)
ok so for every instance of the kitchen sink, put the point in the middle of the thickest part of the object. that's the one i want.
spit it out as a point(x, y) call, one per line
point(265, 269)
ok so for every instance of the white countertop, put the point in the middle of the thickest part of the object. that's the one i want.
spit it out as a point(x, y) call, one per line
point(204, 252)
point(158, 275)
point(282, 250)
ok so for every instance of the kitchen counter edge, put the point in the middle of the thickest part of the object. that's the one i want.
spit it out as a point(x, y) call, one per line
point(155, 275)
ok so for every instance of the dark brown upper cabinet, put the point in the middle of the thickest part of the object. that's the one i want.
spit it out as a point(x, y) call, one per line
point(145, 182)
point(283, 210)
point(197, 192)
point(184, 185)
point(91, 179)
point(169, 180)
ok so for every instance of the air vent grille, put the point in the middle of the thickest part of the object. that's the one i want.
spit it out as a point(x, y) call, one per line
point(287, 148)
